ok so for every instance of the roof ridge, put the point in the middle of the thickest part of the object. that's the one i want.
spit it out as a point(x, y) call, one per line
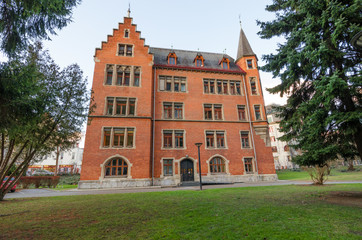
point(182, 50)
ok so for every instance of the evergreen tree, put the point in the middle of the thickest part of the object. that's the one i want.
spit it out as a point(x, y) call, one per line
point(24, 20)
point(320, 72)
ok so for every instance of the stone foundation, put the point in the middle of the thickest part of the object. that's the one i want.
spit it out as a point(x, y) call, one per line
point(172, 181)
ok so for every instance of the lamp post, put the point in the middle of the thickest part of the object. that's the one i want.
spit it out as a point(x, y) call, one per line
point(198, 148)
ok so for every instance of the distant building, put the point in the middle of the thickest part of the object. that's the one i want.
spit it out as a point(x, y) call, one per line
point(282, 152)
point(154, 104)
point(70, 161)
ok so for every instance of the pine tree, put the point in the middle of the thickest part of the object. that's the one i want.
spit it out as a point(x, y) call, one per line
point(320, 73)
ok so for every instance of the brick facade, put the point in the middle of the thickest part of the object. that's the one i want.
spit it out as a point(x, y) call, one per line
point(149, 120)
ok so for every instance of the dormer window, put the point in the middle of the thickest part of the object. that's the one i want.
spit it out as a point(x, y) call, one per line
point(225, 63)
point(172, 58)
point(199, 60)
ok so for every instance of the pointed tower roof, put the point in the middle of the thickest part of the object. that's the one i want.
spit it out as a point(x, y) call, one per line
point(244, 48)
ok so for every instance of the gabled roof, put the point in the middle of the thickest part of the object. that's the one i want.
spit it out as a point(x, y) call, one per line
point(244, 48)
point(185, 59)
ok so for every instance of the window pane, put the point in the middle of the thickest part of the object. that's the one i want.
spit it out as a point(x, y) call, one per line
point(136, 78)
point(206, 86)
point(132, 106)
point(179, 139)
point(212, 87)
point(241, 112)
point(219, 87)
point(121, 49)
point(110, 106)
point(257, 112)
point(119, 77)
point(167, 139)
point(130, 137)
point(129, 50)
point(178, 111)
point(162, 83)
point(208, 111)
point(107, 137)
point(118, 137)
point(167, 110)
point(218, 112)
point(109, 77)
point(225, 87)
point(127, 76)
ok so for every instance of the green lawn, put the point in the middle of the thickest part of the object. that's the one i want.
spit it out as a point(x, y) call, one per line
point(277, 212)
point(336, 175)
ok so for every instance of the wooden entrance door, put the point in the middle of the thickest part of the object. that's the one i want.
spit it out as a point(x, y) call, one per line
point(187, 171)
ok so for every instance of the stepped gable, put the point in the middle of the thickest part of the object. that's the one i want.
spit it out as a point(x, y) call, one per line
point(186, 59)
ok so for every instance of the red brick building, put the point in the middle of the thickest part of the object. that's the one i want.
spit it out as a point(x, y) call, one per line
point(154, 104)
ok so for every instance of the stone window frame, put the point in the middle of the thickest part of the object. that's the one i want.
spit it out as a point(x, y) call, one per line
point(249, 139)
point(129, 33)
point(173, 140)
point(215, 139)
point(226, 161)
point(125, 52)
point(115, 68)
point(253, 165)
point(112, 137)
point(115, 106)
point(261, 112)
point(181, 79)
point(213, 112)
point(256, 86)
point(237, 112)
point(252, 63)
point(162, 175)
point(103, 169)
point(228, 88)
point(173, 110)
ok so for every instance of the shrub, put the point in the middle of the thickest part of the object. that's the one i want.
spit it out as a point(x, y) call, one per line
point(69, 179)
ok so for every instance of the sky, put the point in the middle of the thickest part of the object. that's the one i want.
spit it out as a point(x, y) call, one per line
point(204, 25)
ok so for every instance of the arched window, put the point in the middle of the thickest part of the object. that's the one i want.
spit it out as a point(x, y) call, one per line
point(217, 165)
point(116, 167)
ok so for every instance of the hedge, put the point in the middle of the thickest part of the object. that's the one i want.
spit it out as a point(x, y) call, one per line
point(39, 181)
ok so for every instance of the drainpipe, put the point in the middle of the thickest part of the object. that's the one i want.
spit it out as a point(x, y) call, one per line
point(153, 127)
point(251, 127)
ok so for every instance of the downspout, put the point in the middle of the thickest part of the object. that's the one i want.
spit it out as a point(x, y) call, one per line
point(251, 127)
point(153, 127)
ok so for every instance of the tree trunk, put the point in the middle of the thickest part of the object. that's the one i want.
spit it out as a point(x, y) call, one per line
point(350, 165)
point(57, 162)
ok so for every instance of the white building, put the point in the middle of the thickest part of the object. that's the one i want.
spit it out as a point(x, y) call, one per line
point(282, 153)
point(70, 161)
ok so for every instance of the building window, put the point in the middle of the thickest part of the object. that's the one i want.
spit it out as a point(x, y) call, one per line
point(254, 90)
point(222, 87)
point(249, 63)
point(224, 63)
point(125, 50)
point(241, 112)
point(119, 137)
point(286, 148)
point(73, 155)
point(215, 139)
point(123, 75)
point(116, 168)
point(257, 112)
point(199, 60)
point(248, 165)
point(121, 106)
point(272, 139)
point(213, 111)
point(109, 75)
point(245, 143)
point(126, 33)
point(274, 149)
point(61, 155)
point(173, 139)
point(172, 58)
point(167, 167)
point(136, 76)
point(217, 165)
point(172, 110)
point(172, 84)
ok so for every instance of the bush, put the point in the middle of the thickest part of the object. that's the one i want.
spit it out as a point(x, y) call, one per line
point(69, 179)
point(39, 181)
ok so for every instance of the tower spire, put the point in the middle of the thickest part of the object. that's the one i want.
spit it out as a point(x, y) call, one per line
point(244, 48)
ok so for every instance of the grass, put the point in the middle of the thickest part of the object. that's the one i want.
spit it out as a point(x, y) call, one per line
point(276, 212)
point(337, 174)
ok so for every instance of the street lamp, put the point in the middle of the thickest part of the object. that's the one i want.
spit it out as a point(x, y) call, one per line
point(198, 148)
